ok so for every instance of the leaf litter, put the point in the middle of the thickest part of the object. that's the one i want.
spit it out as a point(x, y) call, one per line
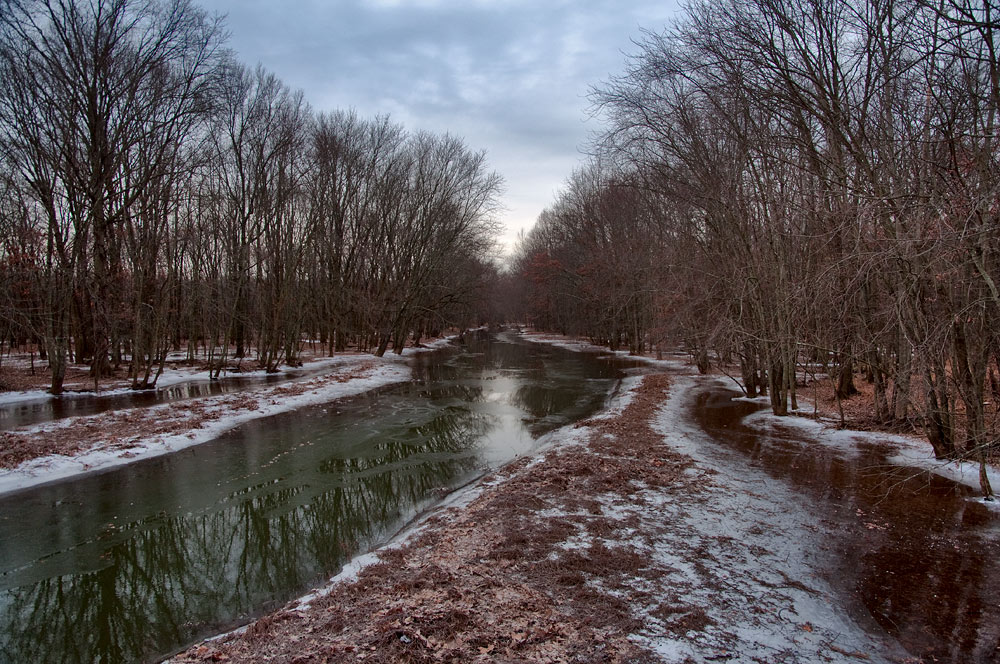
point(611, 546)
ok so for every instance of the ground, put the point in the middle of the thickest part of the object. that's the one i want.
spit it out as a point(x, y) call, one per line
point(621, 541)
point(612, 545)
point(41, 453)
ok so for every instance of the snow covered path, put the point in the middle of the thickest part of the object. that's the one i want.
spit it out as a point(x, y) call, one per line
point(622, 540)
point(750, 554)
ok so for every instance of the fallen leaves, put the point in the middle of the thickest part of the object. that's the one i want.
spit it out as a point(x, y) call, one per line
point(493, 581)
point(127, 429)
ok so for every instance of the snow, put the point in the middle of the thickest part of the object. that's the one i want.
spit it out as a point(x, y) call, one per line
point(620, 399)
point(748, 555)
point(962, 472)
point(56, 467)
point(26, 395)
point(910, 451)
point(580, 346)
point(566, 343)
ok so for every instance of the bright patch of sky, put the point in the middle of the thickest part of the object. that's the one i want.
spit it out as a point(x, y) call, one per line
point(509, 76)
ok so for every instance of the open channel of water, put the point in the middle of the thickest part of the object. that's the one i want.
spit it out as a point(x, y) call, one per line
point(134, 563)
point(69, 404)
point(912, 552)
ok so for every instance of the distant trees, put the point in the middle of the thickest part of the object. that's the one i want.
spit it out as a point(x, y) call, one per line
point(402, 225)
point(158, 193)
point(590, 263)
point(815, 181)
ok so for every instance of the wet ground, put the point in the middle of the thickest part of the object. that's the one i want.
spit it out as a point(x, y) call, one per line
point(69, 404)
point(135, 562)
point(910, 552)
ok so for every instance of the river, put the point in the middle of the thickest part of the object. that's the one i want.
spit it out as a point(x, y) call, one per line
point(136, 562)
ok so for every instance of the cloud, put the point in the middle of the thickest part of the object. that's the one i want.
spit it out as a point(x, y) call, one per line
point(510, 76)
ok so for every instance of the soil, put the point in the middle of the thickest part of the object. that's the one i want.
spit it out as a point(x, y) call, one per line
point(131, 427)
point(609, 547)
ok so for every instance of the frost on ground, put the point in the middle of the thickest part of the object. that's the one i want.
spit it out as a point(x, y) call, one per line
point(908, 450)
point(619, 543)
point(47, 452)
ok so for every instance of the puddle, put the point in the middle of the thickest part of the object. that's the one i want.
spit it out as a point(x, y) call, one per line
point(909, 549)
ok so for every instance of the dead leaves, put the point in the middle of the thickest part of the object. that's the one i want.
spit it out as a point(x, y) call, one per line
point(135, 426)
point(491, 582)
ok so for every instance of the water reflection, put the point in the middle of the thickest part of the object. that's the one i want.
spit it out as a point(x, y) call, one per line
point(137, 562)
point(47, 408)
point(920, 557)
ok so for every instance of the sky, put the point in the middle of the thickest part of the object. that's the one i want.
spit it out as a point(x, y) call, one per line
point(510, 77)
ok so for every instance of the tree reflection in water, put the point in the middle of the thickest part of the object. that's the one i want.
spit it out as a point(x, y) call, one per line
point(135, 563)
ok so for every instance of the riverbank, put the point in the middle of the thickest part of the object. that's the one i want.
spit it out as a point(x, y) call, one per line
point(818, 417)
point(71, 446)
point(618, 542)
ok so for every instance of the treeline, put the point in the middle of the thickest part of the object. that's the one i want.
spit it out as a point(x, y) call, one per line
point(157, 194)
point(798, 181)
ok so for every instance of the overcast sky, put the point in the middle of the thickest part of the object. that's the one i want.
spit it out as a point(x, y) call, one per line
point(509, 76)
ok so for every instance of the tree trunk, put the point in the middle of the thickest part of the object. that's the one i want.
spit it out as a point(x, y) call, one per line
point(845, 380)
point(776, 377)
point(901, 382)
point(937, 421)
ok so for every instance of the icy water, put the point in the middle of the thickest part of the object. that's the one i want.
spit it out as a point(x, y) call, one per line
point(134, 563)
point(909, 550)
point(46, 409)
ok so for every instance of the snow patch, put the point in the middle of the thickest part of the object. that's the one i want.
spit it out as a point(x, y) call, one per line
point(672, 362)
point(910, 451)
point(56, 467)
point(27, 395)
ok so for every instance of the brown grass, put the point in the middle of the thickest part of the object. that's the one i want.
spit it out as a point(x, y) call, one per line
point(126, 429)
point(496, 582)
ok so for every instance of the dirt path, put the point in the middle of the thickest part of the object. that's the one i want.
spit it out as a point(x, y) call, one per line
point(612, 546)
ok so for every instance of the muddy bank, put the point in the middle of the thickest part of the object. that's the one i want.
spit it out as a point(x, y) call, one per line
point(620, 543)
point(913, 552)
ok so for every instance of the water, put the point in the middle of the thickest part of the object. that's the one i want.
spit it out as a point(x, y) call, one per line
point(135, 563)
point(909, 550)
point(49, 408)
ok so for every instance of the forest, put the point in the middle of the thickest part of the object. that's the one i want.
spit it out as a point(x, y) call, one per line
point(158, 194)
point(795, 186)
point(785, 187)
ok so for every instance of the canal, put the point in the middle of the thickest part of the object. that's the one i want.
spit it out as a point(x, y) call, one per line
point(134, 563)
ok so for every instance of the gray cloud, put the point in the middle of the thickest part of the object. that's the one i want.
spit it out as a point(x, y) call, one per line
point(510, 76)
